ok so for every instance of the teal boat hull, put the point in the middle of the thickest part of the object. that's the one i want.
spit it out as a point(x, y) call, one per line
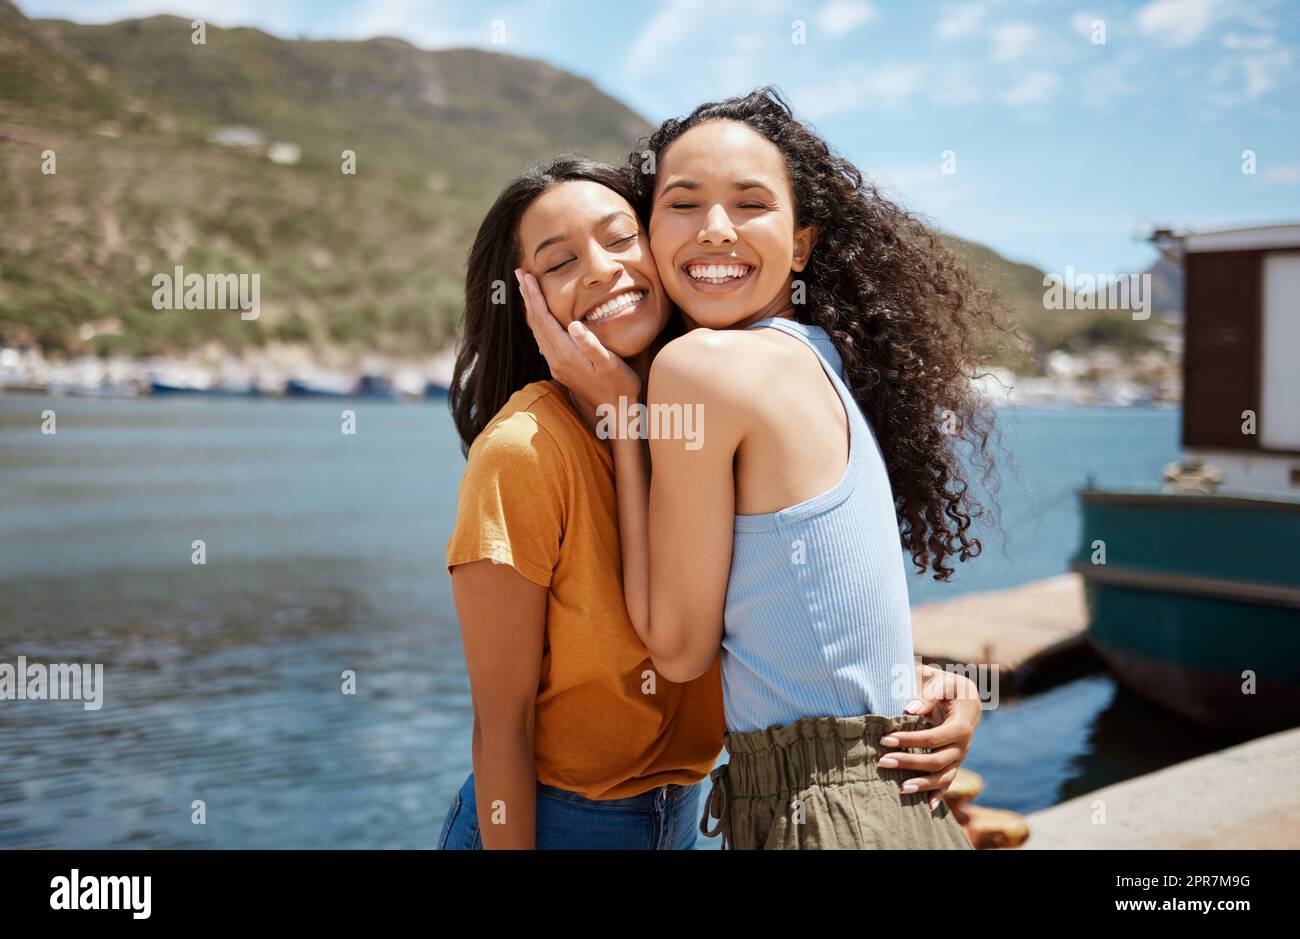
point(1197, 604)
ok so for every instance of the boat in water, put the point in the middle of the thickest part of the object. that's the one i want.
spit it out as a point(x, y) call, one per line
point(373, 387)
point(209, 391)
point(1193, 587)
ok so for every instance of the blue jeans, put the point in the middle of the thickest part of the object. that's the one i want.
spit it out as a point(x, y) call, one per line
point(664, 818)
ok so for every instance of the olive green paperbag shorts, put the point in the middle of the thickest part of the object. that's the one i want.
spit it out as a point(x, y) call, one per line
point(817, 784)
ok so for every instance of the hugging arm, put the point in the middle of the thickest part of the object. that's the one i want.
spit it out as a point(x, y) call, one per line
point(675, 525)
point(691, 507)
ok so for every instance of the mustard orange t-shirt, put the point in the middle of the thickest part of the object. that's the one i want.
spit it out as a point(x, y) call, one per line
point(538, 494)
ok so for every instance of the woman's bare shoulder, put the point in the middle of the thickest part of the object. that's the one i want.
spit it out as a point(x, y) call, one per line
point(717, 361)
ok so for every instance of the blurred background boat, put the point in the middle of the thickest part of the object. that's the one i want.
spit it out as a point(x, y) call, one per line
point(1194, 591)
point(375, 387)
point(219, 391)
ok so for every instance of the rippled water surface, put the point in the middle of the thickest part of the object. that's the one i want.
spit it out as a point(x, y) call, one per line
point(324, 554)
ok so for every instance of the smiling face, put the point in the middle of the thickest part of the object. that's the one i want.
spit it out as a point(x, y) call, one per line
point(722, 228)
point(584, 245)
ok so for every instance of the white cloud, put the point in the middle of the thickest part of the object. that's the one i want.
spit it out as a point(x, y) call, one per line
point(672, 23)
point(740, 68)
point(957, 84)
point(958, 21)
point(894, 85)
point(1034, 89)
point(924, 187)
point(1103, 83)
point(686, 34)
point(1253, 41)
point(1262, 71)
point(843, 16)
point(1082, 23)
point(1175, 22)
point(1253, 73)
point(888, 88)
point(1285, 175)
point(1013, 40)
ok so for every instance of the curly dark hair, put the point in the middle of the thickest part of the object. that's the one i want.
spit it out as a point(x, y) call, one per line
point(904, 311)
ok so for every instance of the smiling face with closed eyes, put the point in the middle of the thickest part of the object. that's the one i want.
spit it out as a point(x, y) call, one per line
point(723, 226)
point(583, 243)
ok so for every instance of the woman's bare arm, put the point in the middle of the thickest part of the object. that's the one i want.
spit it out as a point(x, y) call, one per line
point(632, 490)
point(692, 500)
point(502, 624)
point(675, 526)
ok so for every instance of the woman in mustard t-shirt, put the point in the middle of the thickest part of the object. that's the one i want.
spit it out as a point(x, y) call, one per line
point(577, 741)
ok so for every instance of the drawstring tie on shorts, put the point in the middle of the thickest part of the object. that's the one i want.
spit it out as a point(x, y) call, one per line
point(716, 806)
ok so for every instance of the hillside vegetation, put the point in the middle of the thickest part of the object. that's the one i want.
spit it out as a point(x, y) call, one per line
point(371, 262)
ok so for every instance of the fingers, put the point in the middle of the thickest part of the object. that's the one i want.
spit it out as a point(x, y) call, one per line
point(555, 344)
point(950, 687)
point(965, 699)
point(936, 782)
point(940, 736)
point(925, 762)
point(953, 711)
point(596, 354)
point(923, 704)
point(964, 711)
point(923, 783)
point(939, 684)
point(936, 686)
point(939, 793)
point(536, 312)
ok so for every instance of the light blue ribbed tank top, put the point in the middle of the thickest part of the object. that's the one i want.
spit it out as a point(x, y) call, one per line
point(817, 622)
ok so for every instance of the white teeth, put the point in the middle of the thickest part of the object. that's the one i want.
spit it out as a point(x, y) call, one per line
point(622, 301)
point(717, 273)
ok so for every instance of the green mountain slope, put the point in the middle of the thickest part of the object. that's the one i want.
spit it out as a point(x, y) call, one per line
point(371, 261)
point(1020, 286)
point(349, 263)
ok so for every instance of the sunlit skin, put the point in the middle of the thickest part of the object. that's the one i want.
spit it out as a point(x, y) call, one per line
point(584, 245)
point(723, 198)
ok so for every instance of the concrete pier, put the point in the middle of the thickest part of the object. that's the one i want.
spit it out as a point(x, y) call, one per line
point(1034, 633)
point(1247, 796)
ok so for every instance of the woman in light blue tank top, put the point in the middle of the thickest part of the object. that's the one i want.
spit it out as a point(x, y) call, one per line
point(756, 227)
point(817, 618)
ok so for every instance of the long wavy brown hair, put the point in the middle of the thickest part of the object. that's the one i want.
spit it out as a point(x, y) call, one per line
point(498, 354)
point(905, 313)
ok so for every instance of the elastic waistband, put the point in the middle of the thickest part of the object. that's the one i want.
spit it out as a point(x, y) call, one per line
point(813, 751)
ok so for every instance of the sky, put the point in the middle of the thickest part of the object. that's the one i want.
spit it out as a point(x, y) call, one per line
point(1056, 132)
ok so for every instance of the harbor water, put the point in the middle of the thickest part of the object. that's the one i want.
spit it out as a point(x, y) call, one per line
point(323, 556)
